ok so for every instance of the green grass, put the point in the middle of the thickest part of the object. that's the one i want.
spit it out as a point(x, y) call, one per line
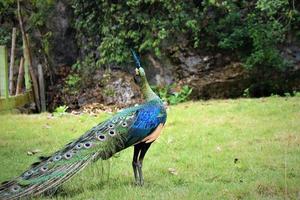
point(201, 141)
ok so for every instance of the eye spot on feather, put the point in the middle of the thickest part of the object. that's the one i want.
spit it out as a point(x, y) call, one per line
point(15, 188)
point(124, 124)
point(78, 146)
point(68, 155)
point(111, 126)
point(28, 173)
point(87, 145)
point(101, 137)
point(112, 132)
point(56, 158)
point(44, 168)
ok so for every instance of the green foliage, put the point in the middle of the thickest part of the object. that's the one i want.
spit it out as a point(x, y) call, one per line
point(73, 80)
point(45, 41)
point(60, 110)
point(172, 95)
point(7, 8)
point(246, 93)
point(5, 36)
point(42, 9)
point(296, 94)
point(265, 37)
point(112, 27)
point(35, 15)
point(181, 96)
point(73, 83)
point(254, 35)
point(271, 8)
point(251, 29)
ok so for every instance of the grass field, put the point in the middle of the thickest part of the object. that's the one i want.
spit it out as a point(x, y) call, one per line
point(229, 149)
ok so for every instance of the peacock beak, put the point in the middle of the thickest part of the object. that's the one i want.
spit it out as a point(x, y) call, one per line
point(137, 72)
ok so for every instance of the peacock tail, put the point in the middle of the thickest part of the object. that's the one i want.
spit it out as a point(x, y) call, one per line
point(126, 128)
point(101, 142)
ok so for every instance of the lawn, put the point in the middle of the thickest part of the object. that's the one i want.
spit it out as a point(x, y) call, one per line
point(219, 149)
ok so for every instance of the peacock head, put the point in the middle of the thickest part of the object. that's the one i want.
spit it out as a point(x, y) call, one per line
point(140, 72)
point(141, 80)
point(140, 76)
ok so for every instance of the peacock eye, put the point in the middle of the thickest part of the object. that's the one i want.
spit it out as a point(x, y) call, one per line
point(78, 146)
point(44, 168)
point(87, 145)
point(57, 158)
point(101, 137)
point(15, 188)
point(111, 126)
point(68, 155)
point(124, 124)
point(28, 173)
point(112, 132)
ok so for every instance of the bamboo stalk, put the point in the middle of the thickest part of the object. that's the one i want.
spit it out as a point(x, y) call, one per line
point(26, 60)
point(27, 57)
point(12, 62)
point(3, 72)
point(20, 77)
point(42, 88)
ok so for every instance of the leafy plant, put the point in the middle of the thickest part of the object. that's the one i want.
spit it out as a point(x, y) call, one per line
point(73, 80)
point(111, 27)
point(60, 110)
point(172, 95)
point(246, 93)
point(296, 94)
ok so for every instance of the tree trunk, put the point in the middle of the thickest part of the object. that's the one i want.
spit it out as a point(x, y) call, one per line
point(20, 77)
point(12, 62)
point(27, 57)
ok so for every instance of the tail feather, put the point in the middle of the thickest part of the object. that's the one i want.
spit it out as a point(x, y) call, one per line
point(19, 187)
point(100, 142)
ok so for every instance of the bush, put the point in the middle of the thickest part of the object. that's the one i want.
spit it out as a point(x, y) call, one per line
point(60, 110)
point(173, 94)
point(251, 29)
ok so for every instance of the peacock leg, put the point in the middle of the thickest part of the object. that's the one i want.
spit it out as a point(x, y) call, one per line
point(135, 162)
point(144, 149)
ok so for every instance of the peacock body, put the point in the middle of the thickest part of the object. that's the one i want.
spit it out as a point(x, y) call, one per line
point(138, 126)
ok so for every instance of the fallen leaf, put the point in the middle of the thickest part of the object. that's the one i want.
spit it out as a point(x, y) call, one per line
point(173, 171)
point(32, 152)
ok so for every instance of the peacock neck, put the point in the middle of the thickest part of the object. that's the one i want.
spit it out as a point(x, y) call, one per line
point(148, 93)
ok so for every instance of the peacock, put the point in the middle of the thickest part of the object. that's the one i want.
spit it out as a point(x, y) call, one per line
point(137, 126)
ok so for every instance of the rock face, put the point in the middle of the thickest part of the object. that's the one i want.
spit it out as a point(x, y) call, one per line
point(112, 88)
point(64, 50)
point(210, 76)
point(221, 76)
point(121, 90)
